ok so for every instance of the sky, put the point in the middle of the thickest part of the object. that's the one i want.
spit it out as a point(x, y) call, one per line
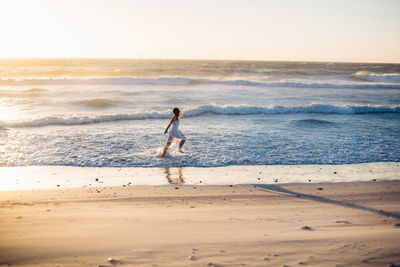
point(307, 30)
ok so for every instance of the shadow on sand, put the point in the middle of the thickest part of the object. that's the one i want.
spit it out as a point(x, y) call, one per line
point(278, 189)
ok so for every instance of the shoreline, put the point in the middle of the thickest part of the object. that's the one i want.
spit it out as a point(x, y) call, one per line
point(321, 224)
point(62, 177)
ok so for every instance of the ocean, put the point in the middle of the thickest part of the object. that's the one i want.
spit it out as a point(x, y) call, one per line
point(113, 112)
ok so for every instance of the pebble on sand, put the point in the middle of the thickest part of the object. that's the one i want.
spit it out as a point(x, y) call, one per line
point(192, 258)
point(308, 228)
point(112, 261)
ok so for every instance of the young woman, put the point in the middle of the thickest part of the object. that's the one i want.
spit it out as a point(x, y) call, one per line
point(174, 131)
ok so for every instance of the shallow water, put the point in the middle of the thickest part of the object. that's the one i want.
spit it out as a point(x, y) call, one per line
point(56, 177)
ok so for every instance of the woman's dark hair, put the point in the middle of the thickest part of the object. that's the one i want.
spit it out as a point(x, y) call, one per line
point(177, 112)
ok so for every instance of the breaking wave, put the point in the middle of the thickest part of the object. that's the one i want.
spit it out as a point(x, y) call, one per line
point(378, 77)
point(210, 110)
point(390, 81)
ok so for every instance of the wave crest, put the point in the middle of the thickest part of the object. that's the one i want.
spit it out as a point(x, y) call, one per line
point(391, 81)
point(378, 77)
point(208, 109)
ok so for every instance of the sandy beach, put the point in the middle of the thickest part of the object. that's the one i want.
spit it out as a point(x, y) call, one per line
point(322, 224)
point(199, 133)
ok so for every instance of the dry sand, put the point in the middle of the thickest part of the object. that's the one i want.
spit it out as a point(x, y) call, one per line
point(331, 224)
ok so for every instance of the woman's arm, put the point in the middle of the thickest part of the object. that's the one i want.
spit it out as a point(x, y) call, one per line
point(172, 120)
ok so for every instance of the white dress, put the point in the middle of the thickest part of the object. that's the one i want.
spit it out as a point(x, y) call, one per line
point(175, 133)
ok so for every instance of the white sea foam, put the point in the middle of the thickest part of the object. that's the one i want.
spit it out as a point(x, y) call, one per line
point(313, 108)
point(389, 81)
point(378, 77)
point(208, 109)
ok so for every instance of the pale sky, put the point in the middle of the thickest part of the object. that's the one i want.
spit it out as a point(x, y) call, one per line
point(308, 30)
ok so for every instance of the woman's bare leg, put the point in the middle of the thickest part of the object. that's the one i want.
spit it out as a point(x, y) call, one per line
point(181, 145)
point(165, 149)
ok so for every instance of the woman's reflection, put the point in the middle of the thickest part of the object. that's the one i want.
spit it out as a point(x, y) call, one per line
point(174, 175)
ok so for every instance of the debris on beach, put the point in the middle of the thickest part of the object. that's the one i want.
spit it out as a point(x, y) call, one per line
point(114, 261)
point(343, 221)
point(308, 228)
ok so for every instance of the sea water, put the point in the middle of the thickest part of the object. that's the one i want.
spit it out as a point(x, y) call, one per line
point(113, 112)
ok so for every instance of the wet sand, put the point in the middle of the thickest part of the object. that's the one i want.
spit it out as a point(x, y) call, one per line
point(326, 224)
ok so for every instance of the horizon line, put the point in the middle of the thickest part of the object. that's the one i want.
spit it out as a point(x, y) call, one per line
point(196, 59)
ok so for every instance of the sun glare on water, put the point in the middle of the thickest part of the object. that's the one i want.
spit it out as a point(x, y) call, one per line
point(8, 113)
